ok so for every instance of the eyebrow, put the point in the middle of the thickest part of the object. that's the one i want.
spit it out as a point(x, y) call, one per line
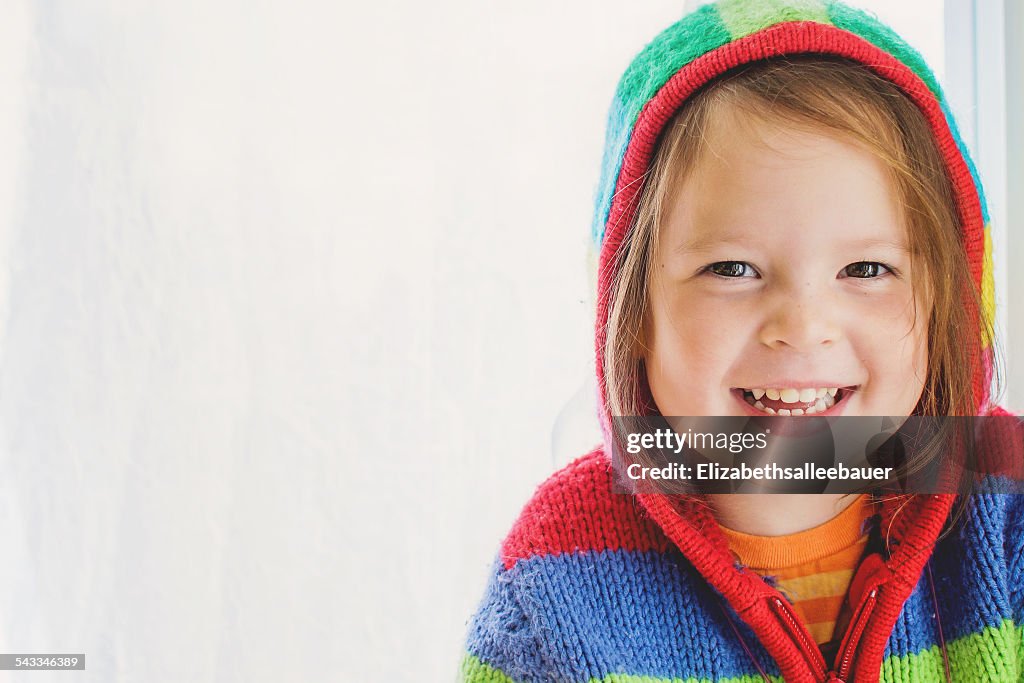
point(707, 243)
point(888, 244)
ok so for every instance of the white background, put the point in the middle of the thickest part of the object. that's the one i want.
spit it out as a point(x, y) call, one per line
point(294, 314)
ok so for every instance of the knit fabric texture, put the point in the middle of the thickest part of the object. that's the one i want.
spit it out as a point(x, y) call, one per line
point(588, 589)
point(592, 585)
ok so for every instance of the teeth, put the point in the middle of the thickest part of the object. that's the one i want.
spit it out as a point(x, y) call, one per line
point(789, 395)
point(814, 400)
point(792, 395)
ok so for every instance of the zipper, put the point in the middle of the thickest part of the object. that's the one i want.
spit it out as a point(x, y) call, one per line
point(810, 651)
point(800, 636)
point(856, 629)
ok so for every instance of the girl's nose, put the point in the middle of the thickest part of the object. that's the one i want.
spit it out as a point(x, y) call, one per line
point(801, 320)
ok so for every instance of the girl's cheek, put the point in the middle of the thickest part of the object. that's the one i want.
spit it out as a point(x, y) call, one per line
point(689, 309)
point(700, 331)
point(894, 311)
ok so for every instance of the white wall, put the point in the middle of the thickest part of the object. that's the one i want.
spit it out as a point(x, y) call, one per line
point(295, 316)
point(1014, 150)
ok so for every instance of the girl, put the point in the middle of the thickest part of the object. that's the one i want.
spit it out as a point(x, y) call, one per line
point(788, 224)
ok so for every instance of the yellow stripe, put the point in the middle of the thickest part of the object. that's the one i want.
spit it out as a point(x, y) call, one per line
point(988, 288)
point(819, 585)
point(843, 559)
point(822, 631)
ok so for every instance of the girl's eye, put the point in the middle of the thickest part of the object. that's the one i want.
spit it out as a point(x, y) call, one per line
point(865, 269)
point(731, 269)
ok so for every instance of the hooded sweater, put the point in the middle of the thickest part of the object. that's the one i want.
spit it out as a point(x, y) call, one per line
point(593, 585)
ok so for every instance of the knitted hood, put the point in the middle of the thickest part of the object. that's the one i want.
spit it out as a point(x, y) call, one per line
point(680, 60)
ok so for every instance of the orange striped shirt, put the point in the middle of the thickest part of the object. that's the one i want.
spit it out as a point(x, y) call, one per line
point(813, 568)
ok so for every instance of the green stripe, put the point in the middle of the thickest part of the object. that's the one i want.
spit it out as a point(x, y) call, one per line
point(994, 654)
point(742, 17)
point(695, 34)
point(881, 36)
point(473, 670)
point(627, 678)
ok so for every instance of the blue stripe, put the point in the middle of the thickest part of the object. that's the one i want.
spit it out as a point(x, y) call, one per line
point(617, 137)
point(627, 612)
point(499, 633)
point(972, 584)
point(966, 154)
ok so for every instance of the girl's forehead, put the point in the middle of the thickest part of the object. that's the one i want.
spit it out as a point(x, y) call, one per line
point(732, 137)
point(784, 184)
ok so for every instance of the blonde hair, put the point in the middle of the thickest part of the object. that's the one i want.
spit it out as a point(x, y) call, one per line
point(840, 96)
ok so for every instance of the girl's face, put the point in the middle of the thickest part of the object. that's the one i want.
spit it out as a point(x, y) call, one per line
point(782, 282)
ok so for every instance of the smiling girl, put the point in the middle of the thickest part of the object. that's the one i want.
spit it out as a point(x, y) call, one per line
point(788, 225)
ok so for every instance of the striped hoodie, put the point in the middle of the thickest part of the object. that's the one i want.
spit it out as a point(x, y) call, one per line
point(591, 585)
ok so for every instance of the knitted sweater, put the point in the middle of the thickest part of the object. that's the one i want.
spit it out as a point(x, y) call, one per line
point(592, 585)
point(587, 588)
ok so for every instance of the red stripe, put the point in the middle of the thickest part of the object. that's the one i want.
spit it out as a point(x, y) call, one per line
point(577, 510)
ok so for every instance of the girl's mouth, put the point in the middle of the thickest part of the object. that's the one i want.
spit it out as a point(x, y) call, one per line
point(787, 401)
